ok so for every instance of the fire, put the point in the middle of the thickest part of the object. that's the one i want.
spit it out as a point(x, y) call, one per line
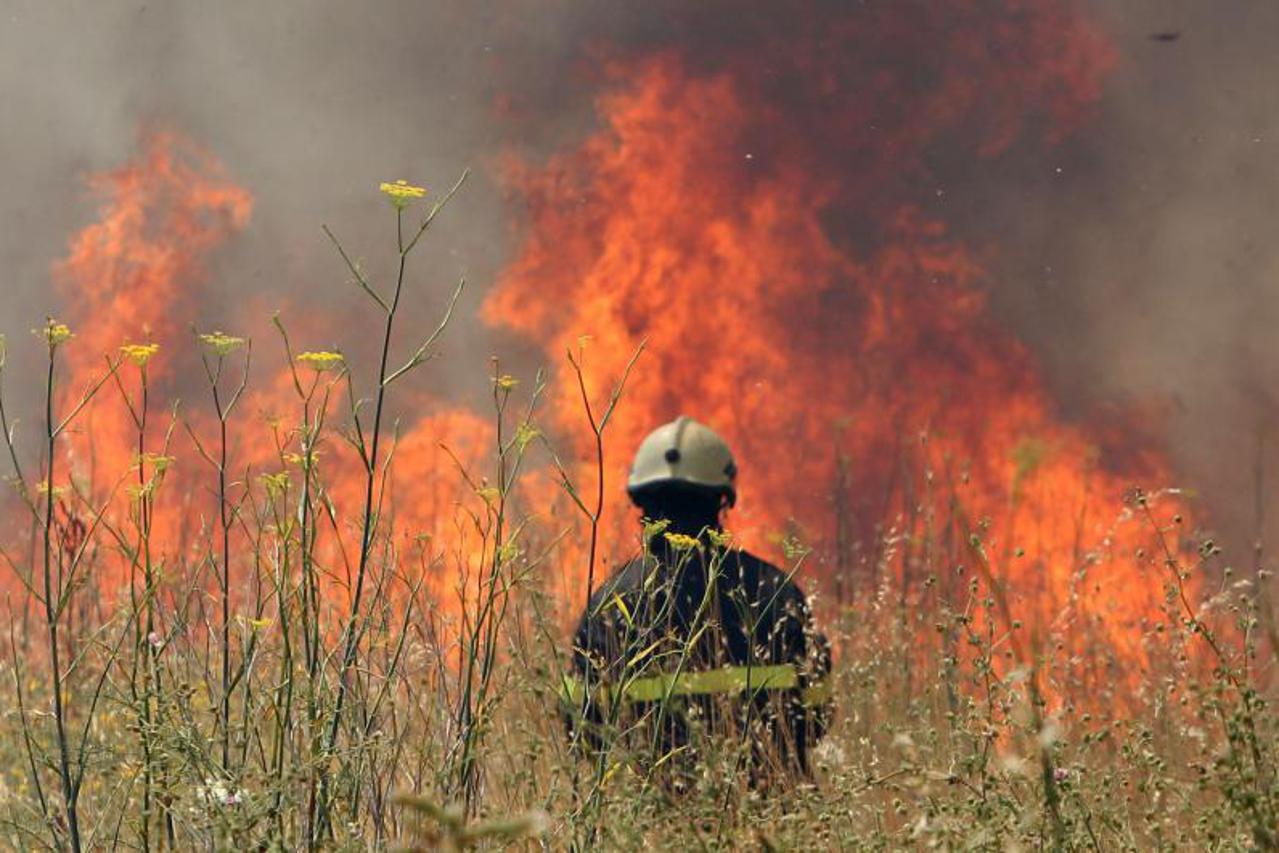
point(138, 275)
point(131, 278)
point(762, 231)
point(765, 234)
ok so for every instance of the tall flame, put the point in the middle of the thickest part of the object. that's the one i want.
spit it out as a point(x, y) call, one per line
point(762, 231)
point(137, 275)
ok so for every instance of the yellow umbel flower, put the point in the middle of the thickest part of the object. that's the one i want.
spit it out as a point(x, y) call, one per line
point(722, 538)
point(157, 461)
point(221, 344)
point(139, 354)
point(524, 434)
point(401, 193)
point(54, 332)
point(275, 484)
point(681, 542)
point(43, 488)
point(321, 361)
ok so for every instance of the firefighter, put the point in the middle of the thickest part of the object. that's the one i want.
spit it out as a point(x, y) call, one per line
point(695, 638)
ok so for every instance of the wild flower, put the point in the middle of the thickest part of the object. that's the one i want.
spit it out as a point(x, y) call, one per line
point(401, 193)
point(322, 360)
point(652, 527)
point(54, 332)
point(681, 542)
point(158, 462)
point(720, 538)
point(508, 552)
point(524, 434)
point(43, 488)
point(154, 640)
point(505, 382)
point(275, 484)
point(142, 492)
point(221, 344)
point(139, 354)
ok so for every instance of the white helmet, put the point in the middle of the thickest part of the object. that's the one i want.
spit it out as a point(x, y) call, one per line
point(684, 451)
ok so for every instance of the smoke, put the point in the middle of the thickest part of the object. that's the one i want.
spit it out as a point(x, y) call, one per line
point(1132, 257)
point(1139, 261)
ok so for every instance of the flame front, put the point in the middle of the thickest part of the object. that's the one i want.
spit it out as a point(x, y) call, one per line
point(764, 233)
point(138, 275)
point(761, 232)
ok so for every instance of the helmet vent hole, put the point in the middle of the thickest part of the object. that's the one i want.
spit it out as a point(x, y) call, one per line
point(672, 455)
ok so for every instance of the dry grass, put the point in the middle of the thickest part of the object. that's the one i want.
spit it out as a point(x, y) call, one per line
point(190, 710)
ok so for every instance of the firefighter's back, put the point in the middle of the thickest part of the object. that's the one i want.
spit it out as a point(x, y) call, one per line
point(693, 642)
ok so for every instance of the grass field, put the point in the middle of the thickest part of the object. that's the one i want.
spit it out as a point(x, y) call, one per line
point(299, 664)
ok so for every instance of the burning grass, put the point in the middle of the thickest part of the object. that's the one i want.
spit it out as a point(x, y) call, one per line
point(294, 613)
point(270, 670)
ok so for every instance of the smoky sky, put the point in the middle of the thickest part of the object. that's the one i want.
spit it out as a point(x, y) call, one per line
point(1137, 259)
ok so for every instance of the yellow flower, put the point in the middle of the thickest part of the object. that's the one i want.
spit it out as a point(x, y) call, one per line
point(401, 193)
point(43, 488)
point(506, 382)
point(524, 434)
point(719, 537)
point(321, 361)
point(654, 526)
point(54, 332)
point(139, 354)
point(275, 484)
point(142, 492)
point(681, 542)
point(157, 461)
point(508, 552)
point(221, 344)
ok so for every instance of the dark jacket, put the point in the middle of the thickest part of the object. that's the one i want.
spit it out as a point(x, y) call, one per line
point(703, 639)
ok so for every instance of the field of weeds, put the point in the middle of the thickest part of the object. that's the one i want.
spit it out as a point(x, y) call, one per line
point(234, 634)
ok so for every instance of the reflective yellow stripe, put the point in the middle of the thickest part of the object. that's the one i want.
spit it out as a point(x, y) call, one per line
point(733, 679)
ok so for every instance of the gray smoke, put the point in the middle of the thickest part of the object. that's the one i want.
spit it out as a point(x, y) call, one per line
point(1146, 270)
point(1137, 259)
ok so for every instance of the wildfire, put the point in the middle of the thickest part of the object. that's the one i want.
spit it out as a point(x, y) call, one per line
point(761, 230)
point(764, 233)
point(132, 281)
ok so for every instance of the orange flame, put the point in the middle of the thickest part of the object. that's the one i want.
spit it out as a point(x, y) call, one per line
point(764, 235)
point(137, 275)
point(765, 244)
